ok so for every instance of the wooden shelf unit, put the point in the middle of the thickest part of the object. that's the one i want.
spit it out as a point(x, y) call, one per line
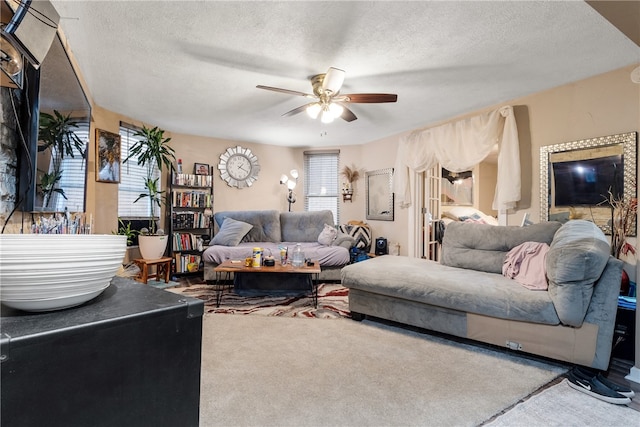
point(190, 219)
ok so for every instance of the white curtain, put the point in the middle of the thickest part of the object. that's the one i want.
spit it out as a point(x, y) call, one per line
point(459, 146)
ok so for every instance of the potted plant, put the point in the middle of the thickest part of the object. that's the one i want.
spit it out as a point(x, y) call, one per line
point(153, 152)
point(56, 134)
point(126, 230)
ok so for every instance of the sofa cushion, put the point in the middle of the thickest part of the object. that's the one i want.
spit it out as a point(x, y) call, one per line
point(327, 235)
point(266, 224)
point(484, 247)
point(231, 232)
point(304, 226)
point(578, 255)
point(465, 290)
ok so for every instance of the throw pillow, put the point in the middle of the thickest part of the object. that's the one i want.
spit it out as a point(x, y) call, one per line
point(231, 232)
point(327, 235)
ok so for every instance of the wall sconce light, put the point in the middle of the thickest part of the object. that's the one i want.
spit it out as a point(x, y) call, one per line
point(291, 184)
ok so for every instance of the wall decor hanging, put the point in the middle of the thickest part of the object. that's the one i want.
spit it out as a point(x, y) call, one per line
point(239, 167)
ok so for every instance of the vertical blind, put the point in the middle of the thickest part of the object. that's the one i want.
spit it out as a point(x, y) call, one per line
point(132, 179)
point(321, 187)
point(74, 172)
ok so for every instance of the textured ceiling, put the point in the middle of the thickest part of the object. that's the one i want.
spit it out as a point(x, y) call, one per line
point(192, 67)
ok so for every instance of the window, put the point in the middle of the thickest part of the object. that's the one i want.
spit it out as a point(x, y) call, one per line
point(321, 188)
point(74, 172)
point(132, 177)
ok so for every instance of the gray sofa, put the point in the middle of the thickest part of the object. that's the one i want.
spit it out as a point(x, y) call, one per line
point(271, 229)
point(466, 294)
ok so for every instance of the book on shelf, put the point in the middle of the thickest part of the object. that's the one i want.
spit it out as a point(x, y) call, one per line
point(187, 263)
point(189, 220)
point(184, 242)
point(191, 199)
point(190, 180)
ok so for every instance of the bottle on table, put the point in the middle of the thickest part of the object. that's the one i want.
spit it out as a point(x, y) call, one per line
point(298, 256)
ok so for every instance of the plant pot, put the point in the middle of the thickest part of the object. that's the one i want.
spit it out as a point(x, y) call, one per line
point(152, 247)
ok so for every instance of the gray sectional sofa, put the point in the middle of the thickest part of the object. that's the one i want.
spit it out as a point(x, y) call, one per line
point(270, 229)
point(466, 295)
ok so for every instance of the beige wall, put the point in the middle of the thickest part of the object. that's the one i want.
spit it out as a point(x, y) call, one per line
point(602, 105)
point(265, 193)
point(484, 187)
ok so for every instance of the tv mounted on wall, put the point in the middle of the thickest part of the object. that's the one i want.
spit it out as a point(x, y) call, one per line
point(587, 182)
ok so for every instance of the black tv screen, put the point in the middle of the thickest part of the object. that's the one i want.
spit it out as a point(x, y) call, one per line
point(588, 182)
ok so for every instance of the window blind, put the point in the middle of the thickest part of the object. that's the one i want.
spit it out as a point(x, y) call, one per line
point(132, 178)
point(74, 173)
point(321, 182)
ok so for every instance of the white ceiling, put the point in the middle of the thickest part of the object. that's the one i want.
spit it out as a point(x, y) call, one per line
point(192, 66)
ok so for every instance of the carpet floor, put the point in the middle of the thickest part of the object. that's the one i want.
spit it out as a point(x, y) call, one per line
point(283, 371)
point(562, 406)
point(262, 372)
point(332, 302)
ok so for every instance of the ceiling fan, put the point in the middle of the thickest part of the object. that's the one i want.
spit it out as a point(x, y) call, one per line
point(328, 103)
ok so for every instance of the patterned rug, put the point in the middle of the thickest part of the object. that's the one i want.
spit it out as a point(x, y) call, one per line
point(333, 302)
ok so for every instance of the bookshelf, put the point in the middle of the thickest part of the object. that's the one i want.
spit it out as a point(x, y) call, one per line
point(190, 215)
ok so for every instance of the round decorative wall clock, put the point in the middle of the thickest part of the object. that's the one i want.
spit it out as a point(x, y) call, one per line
point(238, 167)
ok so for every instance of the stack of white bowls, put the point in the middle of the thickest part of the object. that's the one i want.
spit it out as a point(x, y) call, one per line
point(43, 272)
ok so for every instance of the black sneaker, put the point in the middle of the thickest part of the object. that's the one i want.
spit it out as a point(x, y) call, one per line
point(625, 391)
point(595, 388)
point(585, 372)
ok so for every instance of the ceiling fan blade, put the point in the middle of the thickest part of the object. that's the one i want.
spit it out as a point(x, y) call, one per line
point(370, 98)
point(287, 91)
point(347, 114)
point(333, 80)
point(296, 110)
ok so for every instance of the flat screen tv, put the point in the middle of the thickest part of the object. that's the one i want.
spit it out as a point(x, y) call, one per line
point(588, 182)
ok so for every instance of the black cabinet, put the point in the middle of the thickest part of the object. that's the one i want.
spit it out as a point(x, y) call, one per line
point(130, 357)
point(624, 334)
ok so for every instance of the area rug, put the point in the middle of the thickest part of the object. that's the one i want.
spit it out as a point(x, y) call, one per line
point(280, 371)
point(333, 302)
point(160, 284)
point(561, 405)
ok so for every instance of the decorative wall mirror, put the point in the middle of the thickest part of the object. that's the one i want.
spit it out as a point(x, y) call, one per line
point(379, 192)
point(60, 91)
point(457, 188)
point(576, 178)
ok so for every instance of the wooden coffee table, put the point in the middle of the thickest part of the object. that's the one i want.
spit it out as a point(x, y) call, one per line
point(237, 267)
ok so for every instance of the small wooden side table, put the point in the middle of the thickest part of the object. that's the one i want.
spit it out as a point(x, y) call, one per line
point(163, 269)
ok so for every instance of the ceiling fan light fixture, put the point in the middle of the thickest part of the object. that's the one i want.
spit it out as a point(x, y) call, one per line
point(336, 110)
point(333, 80)
point(327, 116)
point(313, 110)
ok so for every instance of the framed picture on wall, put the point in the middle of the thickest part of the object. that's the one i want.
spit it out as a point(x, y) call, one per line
point(201, 169)
point(107, 156)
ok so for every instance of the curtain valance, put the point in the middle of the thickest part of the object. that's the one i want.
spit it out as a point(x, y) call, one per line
point(459, 146)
